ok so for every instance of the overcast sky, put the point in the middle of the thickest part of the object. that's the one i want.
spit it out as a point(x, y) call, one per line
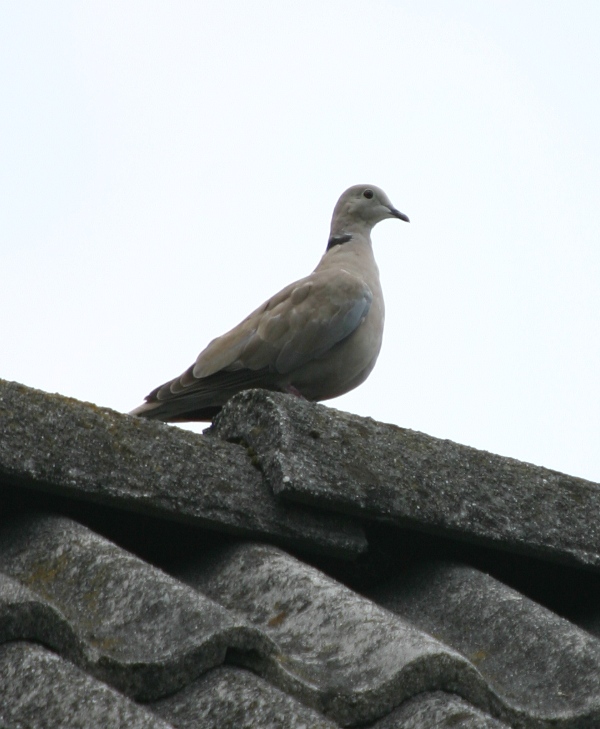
point(165, 167)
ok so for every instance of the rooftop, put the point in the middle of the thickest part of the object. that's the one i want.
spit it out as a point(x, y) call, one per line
point(296, 566)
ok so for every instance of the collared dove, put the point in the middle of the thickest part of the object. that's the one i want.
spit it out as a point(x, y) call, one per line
point(317, 338)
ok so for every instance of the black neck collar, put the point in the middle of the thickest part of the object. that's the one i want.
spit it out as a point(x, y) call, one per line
point(337, 240)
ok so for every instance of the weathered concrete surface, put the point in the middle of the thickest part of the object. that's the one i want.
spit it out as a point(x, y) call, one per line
point(26, 616)
point(40, 690)
point(438, 710)
point(337, 652)
point(61, 445)
point(545, 670)
point(112, 614)
point(233, 697)
point(317, 455)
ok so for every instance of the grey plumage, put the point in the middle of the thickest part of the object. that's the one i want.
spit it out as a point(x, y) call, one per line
point(319, 337)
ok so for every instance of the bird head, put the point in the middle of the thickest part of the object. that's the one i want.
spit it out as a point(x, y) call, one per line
point(360, 208)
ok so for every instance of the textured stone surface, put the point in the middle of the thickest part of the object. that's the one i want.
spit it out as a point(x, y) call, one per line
point(545, 670)
point(26, 616)
point(318, 455)
point(233, 697)
point(437, 644)
point(438, 710)
point(130, 624)
point(337, 652)
point(39, 690)
point(65, 446)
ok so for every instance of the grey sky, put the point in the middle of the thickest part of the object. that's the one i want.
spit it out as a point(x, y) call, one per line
point(165, 167)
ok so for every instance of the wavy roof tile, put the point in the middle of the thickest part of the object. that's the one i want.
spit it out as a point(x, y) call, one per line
point(295, 567)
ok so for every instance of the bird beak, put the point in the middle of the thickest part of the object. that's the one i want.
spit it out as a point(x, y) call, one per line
point(398, 214)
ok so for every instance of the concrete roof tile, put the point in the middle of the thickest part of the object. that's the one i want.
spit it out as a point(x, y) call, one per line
point(40, 690)
point(213, 629)
point(537, 664)
point(136, 628)
point(233, 697)
point(337, 651)
point(438, 710)
point(64, 446)
point(317, 455)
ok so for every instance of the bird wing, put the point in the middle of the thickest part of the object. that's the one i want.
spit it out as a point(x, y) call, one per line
point(297, 325)
point(301, 323)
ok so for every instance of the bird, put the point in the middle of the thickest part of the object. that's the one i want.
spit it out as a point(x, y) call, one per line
point(317, 338)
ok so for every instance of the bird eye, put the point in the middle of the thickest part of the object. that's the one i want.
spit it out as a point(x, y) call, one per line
point(368, 194)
